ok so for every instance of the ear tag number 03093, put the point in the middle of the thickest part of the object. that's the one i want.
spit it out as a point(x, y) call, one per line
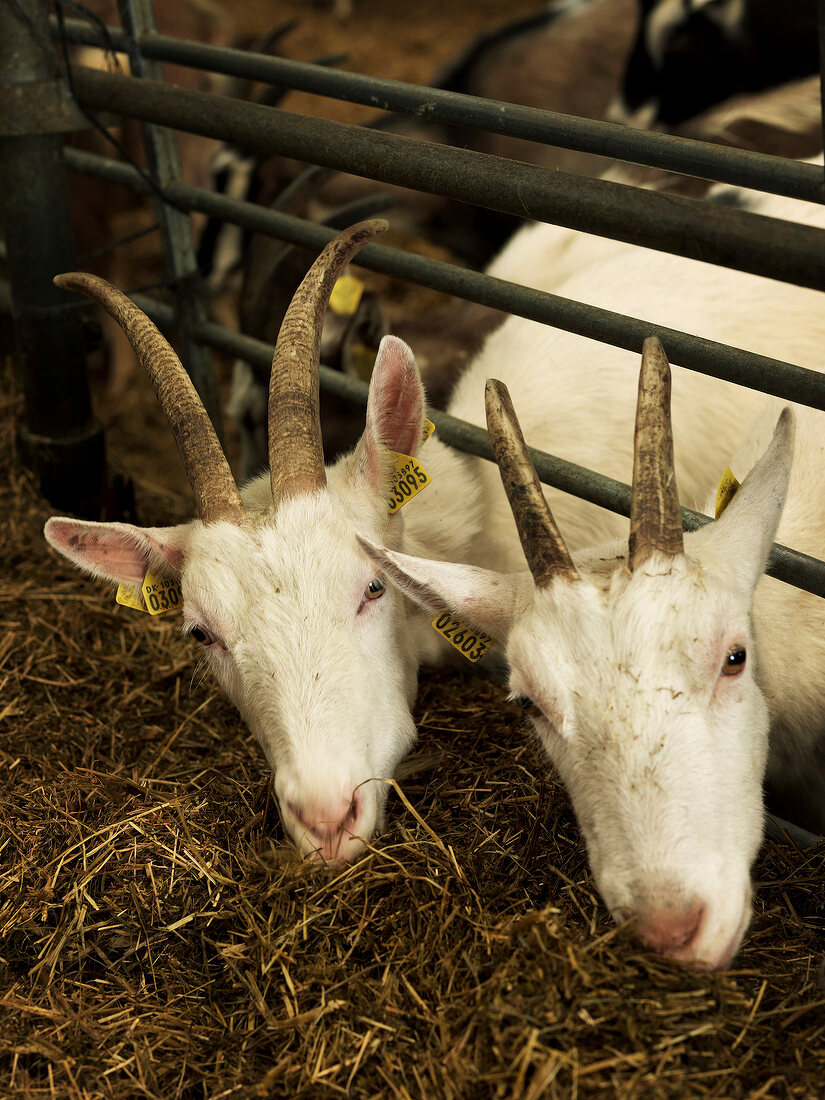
point(409, 476)
point(726, 491)
point(470, 643)
point(155, 596)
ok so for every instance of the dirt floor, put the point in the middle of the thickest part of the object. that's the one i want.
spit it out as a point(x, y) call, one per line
point(158, 938)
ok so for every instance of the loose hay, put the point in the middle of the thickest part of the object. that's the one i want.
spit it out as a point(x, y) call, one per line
point(159, 939)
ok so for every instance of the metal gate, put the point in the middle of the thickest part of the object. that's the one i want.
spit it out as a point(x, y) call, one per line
point(62, 441)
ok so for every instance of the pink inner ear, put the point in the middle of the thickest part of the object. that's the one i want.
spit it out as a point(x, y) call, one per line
point(396, 405)
point(106, 550)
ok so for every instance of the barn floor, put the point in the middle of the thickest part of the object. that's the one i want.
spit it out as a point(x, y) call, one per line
point(158, 938)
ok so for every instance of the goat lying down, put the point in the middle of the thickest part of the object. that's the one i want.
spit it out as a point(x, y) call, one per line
point(321, 657)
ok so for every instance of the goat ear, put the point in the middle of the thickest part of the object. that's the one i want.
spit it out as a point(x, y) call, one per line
point(119, 551)
point(395, 410)
point(740, 540)
point(480, 597)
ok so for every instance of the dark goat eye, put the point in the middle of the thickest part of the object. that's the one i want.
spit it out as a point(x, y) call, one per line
point(201, 635)
point(374, 589)
point(528, 706)
point(734, 662)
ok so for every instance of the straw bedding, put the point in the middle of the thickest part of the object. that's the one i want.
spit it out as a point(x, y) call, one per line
point(158, 938)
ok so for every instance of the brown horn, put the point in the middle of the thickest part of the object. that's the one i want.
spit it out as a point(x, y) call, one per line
point(296, 456)
point(655, 516)
point(544, 548)
point(216, 494)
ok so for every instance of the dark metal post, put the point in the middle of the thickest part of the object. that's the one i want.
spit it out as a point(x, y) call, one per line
point(178, 246)
point(60, 439)
point(820, 12)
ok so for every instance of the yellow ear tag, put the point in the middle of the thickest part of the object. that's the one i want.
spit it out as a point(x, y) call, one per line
point(726, 491)
point(130, 595)
point(408, 479)
point(156, 595)
point(470, 643)
point(427, 430)
point(346, 294)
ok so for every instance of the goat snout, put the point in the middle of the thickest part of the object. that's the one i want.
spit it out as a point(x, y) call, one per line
point(327, 824)
point(671, 931)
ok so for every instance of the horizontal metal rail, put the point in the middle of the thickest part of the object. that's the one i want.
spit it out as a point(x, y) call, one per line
point(800, 570)
point(783, 380)
point(687, 156)
point(702, 231)
point(779, 829)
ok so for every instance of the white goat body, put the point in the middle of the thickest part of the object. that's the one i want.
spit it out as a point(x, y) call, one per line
point(323, 673)
point(592, 397)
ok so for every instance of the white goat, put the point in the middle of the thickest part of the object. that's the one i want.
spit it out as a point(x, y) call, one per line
point(649, 685)
point(280, 594)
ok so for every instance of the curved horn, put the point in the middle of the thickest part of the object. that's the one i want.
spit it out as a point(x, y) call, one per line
point(544, 548)
point(216, 494)
point(655, 517)
point(296, 456)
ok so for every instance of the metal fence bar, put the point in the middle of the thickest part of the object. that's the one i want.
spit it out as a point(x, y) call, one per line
point(59, 437)
point(702, 231)
point(676, 154)
point(176, 231)
point(779, 829)
point(800, 570)
point(784, 380)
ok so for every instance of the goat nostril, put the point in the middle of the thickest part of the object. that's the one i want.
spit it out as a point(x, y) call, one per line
point(323, 821)
point(671, 932)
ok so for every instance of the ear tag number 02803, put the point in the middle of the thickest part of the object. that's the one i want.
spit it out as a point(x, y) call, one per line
point(155, 596)
point(409, 476)
point(470, 643)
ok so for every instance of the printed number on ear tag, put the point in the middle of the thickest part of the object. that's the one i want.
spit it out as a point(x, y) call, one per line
point(470, 643)
point(156, 595)
point(409, 478)
point(726, 491)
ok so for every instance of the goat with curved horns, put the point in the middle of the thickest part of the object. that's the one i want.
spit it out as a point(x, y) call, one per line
point(636, 662)
point(320, 657)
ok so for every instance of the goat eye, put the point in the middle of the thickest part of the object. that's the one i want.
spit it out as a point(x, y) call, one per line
point(374, 589)
point(201, 635)
point(528, 706)
point(734, 662)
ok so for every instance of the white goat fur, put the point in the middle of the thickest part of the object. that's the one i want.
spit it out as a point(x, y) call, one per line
point(324, 678)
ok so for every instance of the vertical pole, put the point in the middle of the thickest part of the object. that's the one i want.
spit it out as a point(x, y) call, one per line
point(820, 13)
point(59, 439)
point(179, 249)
